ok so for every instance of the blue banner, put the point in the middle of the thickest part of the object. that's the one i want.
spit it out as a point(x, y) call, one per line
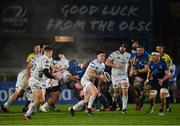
point(7, 88)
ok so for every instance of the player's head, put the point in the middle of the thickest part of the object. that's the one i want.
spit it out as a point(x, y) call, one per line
point(155, 56)
point(37, 49)
point(122, 48)
point(61, 56)
point(139, 50)
point(42, 46)
point(135, 43)
point(160, 48)
point(48, 51)
point(100, 55)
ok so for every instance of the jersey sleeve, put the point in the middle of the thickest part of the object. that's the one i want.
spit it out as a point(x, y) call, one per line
point(47, 64)
point(165, 65)
point(111, 56)
point(30, 57)
point(146, 60)
point(92, 65)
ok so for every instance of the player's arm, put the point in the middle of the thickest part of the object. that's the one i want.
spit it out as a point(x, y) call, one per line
point(46, 70)
point(148, 75)
point(73, 78)
point(143, 70)
point(48, 74)
point(92, 74)
point(110, 63)
point(166, 76)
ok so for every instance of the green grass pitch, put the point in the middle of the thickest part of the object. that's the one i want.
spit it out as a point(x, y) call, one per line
point(133, 117)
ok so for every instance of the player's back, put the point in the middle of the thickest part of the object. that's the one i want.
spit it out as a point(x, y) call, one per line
point(42, 62)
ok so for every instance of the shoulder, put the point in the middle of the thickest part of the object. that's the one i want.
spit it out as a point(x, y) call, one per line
point(30, 57)
point(163, 62)
point(146, 54)
point(128, 55)
point(94, 62)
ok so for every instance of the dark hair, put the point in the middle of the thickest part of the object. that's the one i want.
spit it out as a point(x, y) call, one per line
point(159, 44)
point(48, 48)
point(140, 46)
point(123, 45)
point(99, 52)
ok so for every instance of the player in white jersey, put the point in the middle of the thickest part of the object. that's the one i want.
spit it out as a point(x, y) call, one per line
point(20, 88)
point(94, 71)
point(53, 86)
point(119, 61)
point(38, 77)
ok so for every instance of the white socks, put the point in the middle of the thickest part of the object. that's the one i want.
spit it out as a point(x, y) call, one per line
point(124, 101)
point(91, 100)
point(79, 104)
point(45, 105)
point(31, 109)
point(8, 102)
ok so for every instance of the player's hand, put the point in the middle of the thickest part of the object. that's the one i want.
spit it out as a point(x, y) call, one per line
point(119, 66)
point(160, 81)
point(102, 77)
point(146, 82)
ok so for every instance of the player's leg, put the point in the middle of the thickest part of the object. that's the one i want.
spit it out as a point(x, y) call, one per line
point(163, 93)
point(124, 87)
point(36, 87)
point(152, 97)
point(80, 103)
point(93, 94)
point(12, 98)
point(116, 94)
point(54, 97)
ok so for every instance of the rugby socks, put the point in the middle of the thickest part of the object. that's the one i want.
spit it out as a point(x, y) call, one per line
point(162, 103)
point(103, 101)
point(124, 101)
point(143, 97)
point(167, 102)
point(27, 104)
point(119, 101)
point(152, 103)
point(91, 100)
point(45, 105)
point(9, 101)
point(31, 109)
point(79, 104)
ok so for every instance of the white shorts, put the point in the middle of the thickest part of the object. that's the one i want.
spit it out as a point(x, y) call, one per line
point(35, 83)
point(85, 82)
point(20, 78)
point(117, 81)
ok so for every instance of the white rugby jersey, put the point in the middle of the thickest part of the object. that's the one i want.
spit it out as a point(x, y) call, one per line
point(42, 63)
point(63, 62)
point(118, 58)
point(34, 61)
point(97, 67)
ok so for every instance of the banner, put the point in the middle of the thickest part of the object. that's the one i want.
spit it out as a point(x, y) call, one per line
point(7, 88)
point(105, 18)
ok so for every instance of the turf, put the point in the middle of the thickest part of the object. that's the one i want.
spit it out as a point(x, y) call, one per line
point(98, 118)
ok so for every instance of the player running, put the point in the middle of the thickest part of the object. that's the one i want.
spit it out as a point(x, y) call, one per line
point(94, 71)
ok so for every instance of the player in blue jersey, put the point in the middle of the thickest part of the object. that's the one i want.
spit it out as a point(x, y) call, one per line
point(138, 74)
point(157, 76)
